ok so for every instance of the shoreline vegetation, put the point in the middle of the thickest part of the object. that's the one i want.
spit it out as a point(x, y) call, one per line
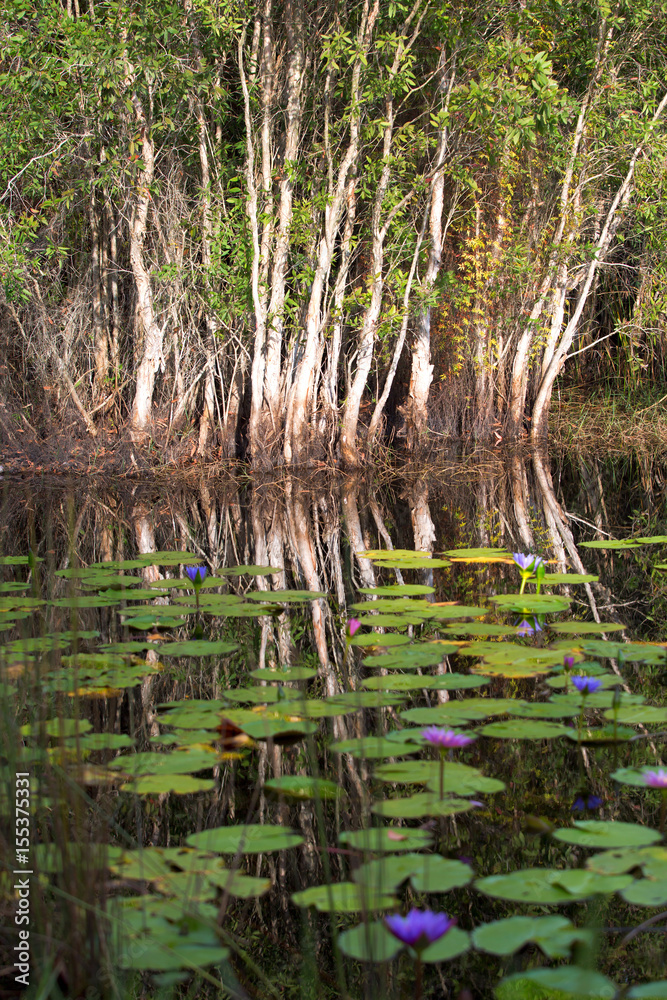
point(585, 423)
point(298, 234)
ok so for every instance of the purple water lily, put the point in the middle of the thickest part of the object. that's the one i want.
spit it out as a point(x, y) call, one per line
point(586, 685)
point(526, 628)
point(656, 779)
point(592, 802)
point(527, 563)
point(446, 739)
point(196, 574)
point(568, 662)
point(419, 928)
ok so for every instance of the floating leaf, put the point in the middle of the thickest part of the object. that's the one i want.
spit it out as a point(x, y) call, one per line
point(523, 729)
point(585, 628)
point(548, 885)
point(303, 787)
point(481, 628)
point(551, 579)
point(455, 942)
point(399, 590)
point(371, 748)
point(420, 805)
point(554, 935)
point(385, 839)
point(177, 762)
point(369, 942)
point(283, 676)
point(344, 897)
point(427, 873)
point(379, 640)
point(286, 596)
point(197, 647)
point(479, 555)
point(412, 657)
point(249, 839)
point(611, 544)
point(178, 784)
point(633, 776)
point(648, 991)
point(250, 571)
point(531, 604)
point(635, 652)
point(566, 982)
point(607, 833)
point(646, 892)
point(439, 682)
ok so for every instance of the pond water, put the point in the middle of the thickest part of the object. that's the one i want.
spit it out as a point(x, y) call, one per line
point(231, 775)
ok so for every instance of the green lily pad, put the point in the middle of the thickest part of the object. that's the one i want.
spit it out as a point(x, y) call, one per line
point(438, 682)
point(611, 544)
point(178, 784)
point(646, 892)
point(369, 942)
point(344, 897)
point(262, 695)
point(585, 628)
point(380, 639)
point(420, 805)
point(285, 596)
point(633, 776)
point(399, 590)
point(603, 834)
point(479, 555)
point(549, 885)
point(386, 839)
point(531, 604)
point(371, 748)
point(427, 873)
point(419, 654)
point(280, 730)
point(302, 787)
point(197, 647)
point(176, 762)
point(481, 629)
point(454, 943)
point(648, 991)
point(630, 652)
point(566, 982)
point(249, 839)
point(554, 935)
point(283, 676)
point(523, 729)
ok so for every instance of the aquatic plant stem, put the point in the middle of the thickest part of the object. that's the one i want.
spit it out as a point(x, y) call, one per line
point(418, 977)
point(442, 775)
point(663, 812)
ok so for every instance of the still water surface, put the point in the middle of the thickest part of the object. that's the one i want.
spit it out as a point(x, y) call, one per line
point(218, 770)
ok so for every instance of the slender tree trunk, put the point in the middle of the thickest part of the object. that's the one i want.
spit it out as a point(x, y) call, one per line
point(421, 374)
point(149, 334)
point(620, 201)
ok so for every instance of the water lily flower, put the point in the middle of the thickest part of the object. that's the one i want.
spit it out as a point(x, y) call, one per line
point(353, 626)
point(527, 563)
point(526, 628)
point(592, 802)
point(196, 574)
point(656, 779)
point(586, 685)
point(568, 662)
point(446, 739)
point(419, 928)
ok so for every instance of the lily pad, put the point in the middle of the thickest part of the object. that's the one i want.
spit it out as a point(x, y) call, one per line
point(249, 839)
point(197, 647)
point(369, 942)
point(303, 787)
point(567, 982)
point(646, 892)
point(523, 729)
point(344, 897)
point(604, 834)
point(427, 873)
point(420, 805)
point(554, 935)
point(549, 885)
point(386, 839)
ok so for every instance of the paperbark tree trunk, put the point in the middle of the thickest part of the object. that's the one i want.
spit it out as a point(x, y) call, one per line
point(149, 335)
